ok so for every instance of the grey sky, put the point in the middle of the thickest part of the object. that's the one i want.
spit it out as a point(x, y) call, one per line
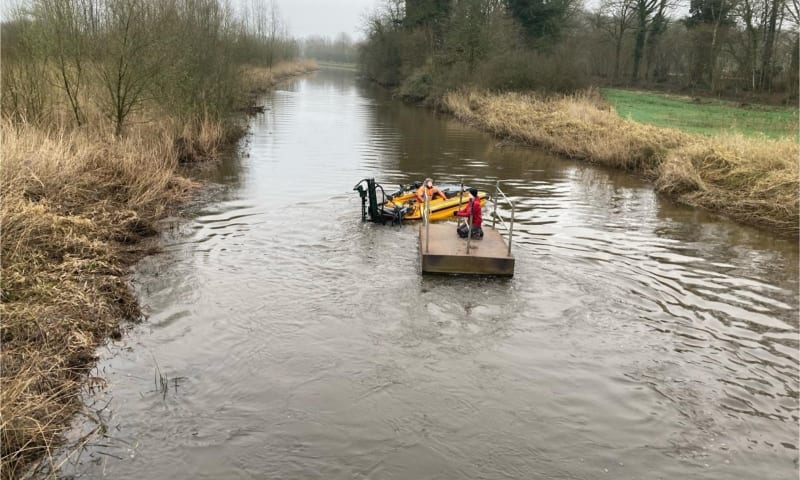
point(304, 17)
point(325, 17)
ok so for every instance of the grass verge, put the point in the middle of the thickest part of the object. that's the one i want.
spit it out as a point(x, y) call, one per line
point(338, 65)
point(751, 180)
point(75, 205)
point(703, 115)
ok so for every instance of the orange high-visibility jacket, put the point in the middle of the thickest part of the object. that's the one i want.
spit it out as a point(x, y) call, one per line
point(431, 192)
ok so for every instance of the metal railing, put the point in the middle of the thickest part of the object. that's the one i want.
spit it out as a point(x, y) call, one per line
point(426, 213)
point(496, 217)
point(460, 194)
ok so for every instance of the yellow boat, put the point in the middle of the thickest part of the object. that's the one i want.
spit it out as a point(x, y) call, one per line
point(402, 205)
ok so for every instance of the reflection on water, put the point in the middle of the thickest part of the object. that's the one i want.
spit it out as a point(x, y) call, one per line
point(638, 339)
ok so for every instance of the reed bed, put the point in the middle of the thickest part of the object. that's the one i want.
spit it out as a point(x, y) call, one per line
point(259, 79)
point(75, 204)
point(73, 208)
point(751, 180)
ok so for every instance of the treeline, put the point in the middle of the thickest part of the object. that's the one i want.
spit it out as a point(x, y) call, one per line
point(723, 46)
point(105, 61)
point(730, 47)
point(341, 49)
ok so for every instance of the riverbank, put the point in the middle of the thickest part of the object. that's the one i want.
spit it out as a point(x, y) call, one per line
point(76, 203)
point(353, 67)
point(750, 180)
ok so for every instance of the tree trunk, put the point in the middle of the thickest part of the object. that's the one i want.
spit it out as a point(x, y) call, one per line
point(749, 66)
point(769, 46)
point(794, 77)
point(638, 50)
point(712, 67)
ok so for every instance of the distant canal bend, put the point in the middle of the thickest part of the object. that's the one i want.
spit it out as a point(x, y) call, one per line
point(638, 339)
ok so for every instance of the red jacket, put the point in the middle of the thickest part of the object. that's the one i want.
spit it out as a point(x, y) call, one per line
point(475, 206)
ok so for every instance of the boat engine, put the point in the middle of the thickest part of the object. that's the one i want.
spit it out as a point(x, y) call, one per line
point(367, 189)
point(379, 211)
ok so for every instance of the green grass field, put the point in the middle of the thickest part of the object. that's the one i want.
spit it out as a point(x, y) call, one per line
point(708, 117)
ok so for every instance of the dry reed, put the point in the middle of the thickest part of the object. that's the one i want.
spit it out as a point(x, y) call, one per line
point(259, 79)
point(75, 203)
point(751, 180)
point(72, 207)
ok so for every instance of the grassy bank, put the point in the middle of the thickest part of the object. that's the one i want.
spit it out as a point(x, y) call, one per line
point(338, 66)
point(703, 115)
point(75, 204)
point(751, 180)
point(256, 79)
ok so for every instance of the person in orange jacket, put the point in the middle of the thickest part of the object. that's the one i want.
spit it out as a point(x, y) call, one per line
point(432, 191)
point(473, 207)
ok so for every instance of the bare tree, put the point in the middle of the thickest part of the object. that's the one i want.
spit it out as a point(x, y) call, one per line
point(64, 30)
point(643, 12)
point(720, 18)
point(127, 61)
point(749, 12)
point(274, 30)
point(773, 10)
point(709, 21)
point(793, 14)
point(615, 19)
point(25, 96)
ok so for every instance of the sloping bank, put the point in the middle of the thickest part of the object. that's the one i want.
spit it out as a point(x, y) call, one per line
point(75, 204)
point(751, 180)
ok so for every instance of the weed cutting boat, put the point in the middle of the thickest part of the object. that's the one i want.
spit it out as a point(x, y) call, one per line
point(402, 204)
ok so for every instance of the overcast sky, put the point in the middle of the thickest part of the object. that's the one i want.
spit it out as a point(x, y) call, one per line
point(304, 17)
point(325, 17)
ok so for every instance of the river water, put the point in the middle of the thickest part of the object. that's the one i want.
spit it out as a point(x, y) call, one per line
point(638, 338)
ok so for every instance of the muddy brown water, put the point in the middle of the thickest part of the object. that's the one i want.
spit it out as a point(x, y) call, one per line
point(638, 339)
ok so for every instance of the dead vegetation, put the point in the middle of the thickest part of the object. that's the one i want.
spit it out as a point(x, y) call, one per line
point(73, 206)
point(258, 79)
point(75, 203)
point(751, 180)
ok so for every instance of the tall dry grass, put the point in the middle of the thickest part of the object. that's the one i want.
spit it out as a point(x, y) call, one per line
point(74, 204)
point(751, 180)
point(257, 79)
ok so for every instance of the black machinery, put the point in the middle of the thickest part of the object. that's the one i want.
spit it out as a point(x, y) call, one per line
point(377, 211)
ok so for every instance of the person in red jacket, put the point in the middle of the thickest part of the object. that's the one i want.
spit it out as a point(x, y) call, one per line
point(472, 207)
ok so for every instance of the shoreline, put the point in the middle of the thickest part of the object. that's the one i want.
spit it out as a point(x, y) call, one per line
point(76, 210)
point(338, 66)
point(752, 181)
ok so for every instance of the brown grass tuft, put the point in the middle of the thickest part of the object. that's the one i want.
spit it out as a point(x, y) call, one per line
point(754, 181)
point(751, 180)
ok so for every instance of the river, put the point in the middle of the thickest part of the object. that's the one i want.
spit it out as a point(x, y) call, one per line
point(287, 339)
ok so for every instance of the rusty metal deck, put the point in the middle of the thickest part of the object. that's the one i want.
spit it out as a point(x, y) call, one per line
point(447, 252)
